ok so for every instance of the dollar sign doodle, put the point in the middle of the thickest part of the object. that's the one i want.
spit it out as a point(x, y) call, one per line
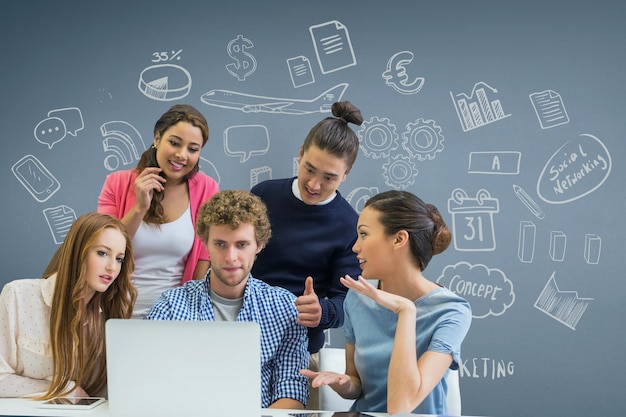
point(245, 63)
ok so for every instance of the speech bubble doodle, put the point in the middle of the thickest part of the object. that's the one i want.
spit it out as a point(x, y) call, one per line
point(488, 290)
point(50, 131)
point(245, 141)
point(72, 117)
point(576, 169)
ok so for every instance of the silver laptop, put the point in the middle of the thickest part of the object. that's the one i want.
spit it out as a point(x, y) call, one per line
point(183, 368)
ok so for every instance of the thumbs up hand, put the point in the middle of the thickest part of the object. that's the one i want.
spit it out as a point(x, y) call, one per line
point(308, 306)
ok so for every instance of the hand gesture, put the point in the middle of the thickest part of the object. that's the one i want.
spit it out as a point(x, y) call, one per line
point(393, 302)
point(308, 306)
point(325, 378)
point(146, 184)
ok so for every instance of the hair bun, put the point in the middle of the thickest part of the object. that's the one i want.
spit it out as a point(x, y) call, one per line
point(347, 112)
point(441, 234)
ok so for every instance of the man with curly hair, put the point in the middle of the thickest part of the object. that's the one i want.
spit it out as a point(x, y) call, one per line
point(235, 227)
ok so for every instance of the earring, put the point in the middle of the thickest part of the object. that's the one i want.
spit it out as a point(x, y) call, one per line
point(153, 147)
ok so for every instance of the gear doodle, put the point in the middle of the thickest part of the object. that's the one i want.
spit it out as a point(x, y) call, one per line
point(359, 196)
point(423, 139)
point(399, 172)
point(378, 138)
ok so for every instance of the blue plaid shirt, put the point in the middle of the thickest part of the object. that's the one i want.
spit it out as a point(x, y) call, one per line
point(283, 341)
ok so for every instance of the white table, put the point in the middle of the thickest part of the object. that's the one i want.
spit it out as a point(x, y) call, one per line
point(26, 407)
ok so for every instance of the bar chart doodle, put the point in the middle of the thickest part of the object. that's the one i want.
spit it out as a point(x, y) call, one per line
point(478, 109)
point(566, 307)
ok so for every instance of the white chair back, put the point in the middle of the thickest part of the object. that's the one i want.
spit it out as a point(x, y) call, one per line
point(453, 398)
point(334, 360)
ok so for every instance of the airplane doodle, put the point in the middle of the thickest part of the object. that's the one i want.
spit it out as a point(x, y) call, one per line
point(249, 103)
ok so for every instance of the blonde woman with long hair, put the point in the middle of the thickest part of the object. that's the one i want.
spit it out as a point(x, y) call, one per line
point(52, 329)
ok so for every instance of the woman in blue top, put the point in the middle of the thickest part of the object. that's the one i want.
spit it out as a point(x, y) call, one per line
point(403, 336)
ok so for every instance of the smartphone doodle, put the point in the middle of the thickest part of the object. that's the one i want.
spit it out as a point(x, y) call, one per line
point(36, 178)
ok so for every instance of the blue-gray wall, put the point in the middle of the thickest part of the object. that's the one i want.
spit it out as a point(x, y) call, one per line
point(509, 116)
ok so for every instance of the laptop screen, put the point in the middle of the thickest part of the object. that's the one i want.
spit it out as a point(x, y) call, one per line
point(183, 368)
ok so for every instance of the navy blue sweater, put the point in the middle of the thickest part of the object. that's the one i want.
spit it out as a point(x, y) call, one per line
point(308, 240)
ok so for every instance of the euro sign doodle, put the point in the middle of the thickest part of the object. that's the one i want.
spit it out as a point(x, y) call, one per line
point(245, 63)
point(396, 76)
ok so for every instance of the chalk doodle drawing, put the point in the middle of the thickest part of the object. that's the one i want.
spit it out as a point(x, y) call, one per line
point(249, 103)
point(576, 169)
point(488, 290)
point(494, 162)
point(472, 220)
point(246, 141)
point(333, 47)
point(396, 75)
point(549, 108)
point(58, 124)
point(566, 307)
point(478, 108)
point(59, 221)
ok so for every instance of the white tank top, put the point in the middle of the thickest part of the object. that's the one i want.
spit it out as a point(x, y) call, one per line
point(160, 256)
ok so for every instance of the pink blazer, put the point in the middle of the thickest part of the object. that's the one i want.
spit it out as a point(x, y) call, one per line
point(118, 197)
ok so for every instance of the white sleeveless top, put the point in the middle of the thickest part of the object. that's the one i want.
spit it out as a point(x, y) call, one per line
point(160, 255)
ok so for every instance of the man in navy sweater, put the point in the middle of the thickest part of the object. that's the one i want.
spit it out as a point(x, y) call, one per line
point(313, 226)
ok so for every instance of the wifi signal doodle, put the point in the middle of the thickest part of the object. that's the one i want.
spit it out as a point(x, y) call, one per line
point(123, 142)
point(245, 63)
